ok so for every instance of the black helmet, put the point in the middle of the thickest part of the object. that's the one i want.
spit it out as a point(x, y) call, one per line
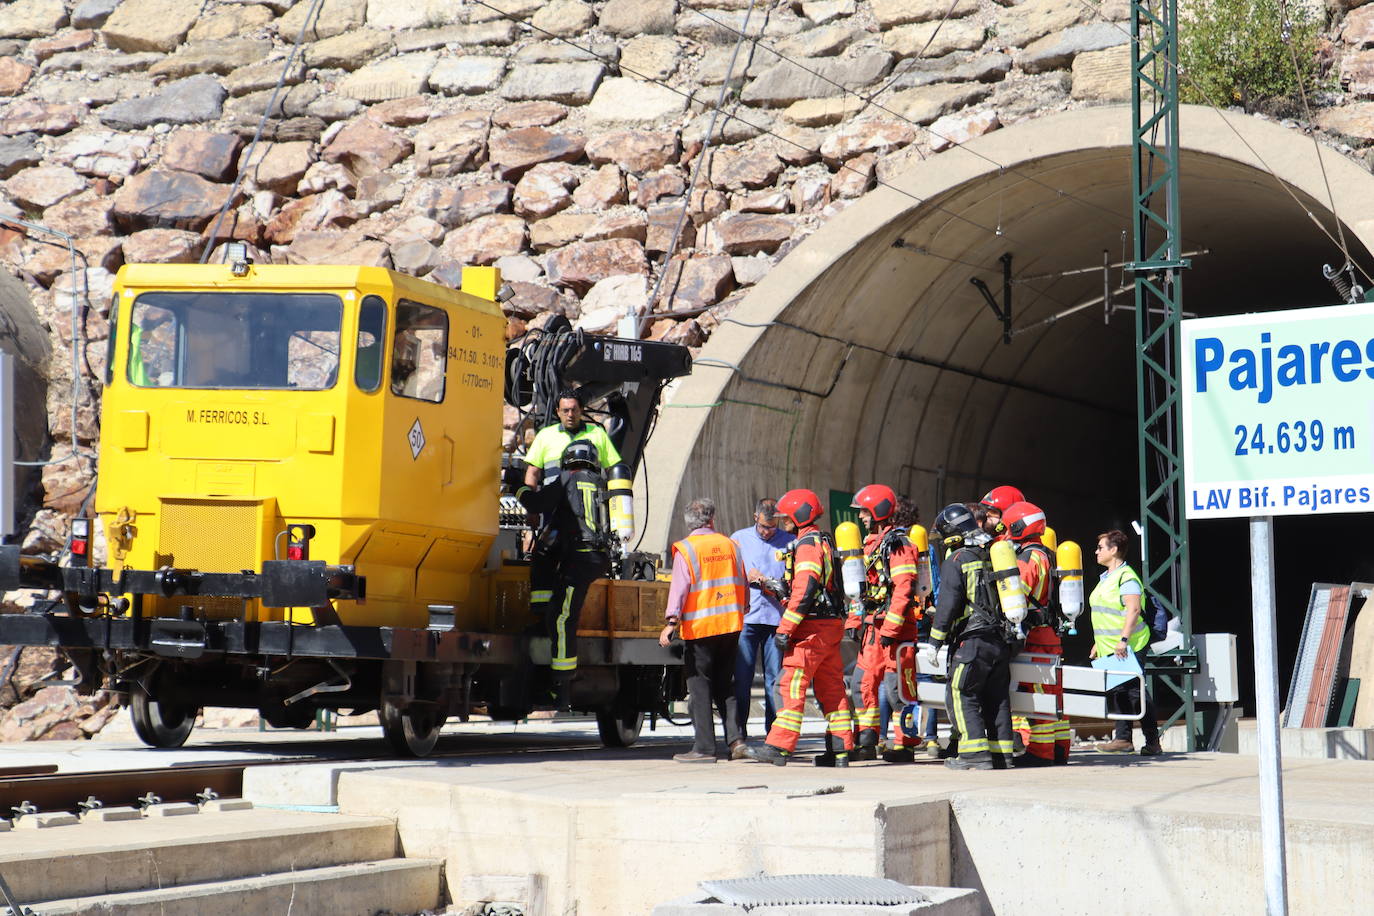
point(955, 523)
point(580, 454)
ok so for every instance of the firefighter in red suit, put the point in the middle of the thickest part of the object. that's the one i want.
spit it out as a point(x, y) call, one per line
point(809, 635)
point(1046, 741)
point(890, 559)
point(997, 501)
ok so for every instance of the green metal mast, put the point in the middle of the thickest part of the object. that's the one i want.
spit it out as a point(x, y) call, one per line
point(1158, 269)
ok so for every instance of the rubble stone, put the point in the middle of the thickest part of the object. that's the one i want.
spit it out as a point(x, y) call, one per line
point(485, 239)
point(782, 84)
point(822, 112)
point(81, 215)
point(900, 12)
point(934, 39)
point(926, 104)
point(958, 67)
point(210, 154)
point(560, 230)
point(91, 14)
point(580, 265)
point(218, 56)
point(602, 188)
point(748, 233)
point(188, 101)
point(564, 18)
point(655, 187)
point(27, 116)
point(1103, 76)
point(102, 153)
point(628, 18)
point(162, 246)
point(651, 57)
point(32, 18)
point(628, 223)
point(625, 102)
point(167, 199)
point(826, 41)
point(150, 25)
point(348, 50)
point(18, 153)
point(312, 213)
point(855, 177)
point(516, 151)
point(335, 17)
point(734, 169)
point(961, 127)
point(571, 83)
point(14, 75)
point(467, 75)
point(698, 282)
point(277, 167)
point(43, 186)
point(415, 257)
point(1035, 18)
point(635, 151)
point(1056, 51)
point(366, 147)
point(544, 190)
point(337, 248)
point(235, 21)
point(529, 114)
point(452, 144)
point(391, 78)
point(876, 136)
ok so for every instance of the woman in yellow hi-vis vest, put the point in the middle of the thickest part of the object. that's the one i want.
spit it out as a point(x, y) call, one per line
point(707, 601)
point(1119, 627)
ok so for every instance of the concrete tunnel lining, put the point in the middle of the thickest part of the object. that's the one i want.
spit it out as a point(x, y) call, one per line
point(735, 435)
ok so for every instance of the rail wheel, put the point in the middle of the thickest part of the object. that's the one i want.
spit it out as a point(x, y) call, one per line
point(618, 727)
point(160, 722)
point(413, 731)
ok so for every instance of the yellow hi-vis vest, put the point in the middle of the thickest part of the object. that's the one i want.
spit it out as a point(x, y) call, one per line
point(1109, 613)
point(718, 593)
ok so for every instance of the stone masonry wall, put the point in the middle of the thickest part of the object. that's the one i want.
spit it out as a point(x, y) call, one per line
point(427, 134)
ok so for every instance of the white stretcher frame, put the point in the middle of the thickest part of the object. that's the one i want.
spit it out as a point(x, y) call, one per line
point(1083, 691)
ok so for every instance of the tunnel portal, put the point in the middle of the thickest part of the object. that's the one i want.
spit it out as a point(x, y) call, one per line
point(867, 355)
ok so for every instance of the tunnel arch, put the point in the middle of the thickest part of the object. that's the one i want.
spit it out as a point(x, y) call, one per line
point(856, 361)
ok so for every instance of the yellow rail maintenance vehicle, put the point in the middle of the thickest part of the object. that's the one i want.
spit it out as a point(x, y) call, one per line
point(300, 493)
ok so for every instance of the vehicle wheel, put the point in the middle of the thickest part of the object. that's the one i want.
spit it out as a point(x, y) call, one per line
point(413, 731)
point(161, 722)
point(618, 728)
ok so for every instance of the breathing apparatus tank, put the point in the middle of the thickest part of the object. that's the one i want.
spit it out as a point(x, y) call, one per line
point(619, 489)
point(1050, 539)
point(850, 546)
point(1069, 559)
point(1007, 575)
point(921, 541)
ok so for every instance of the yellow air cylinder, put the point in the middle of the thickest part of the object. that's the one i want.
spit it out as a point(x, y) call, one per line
point(849, 543)
point(921, 541)
point(1050, 539)
point(1069, 559)
point(1007, 575)
point(620, 493)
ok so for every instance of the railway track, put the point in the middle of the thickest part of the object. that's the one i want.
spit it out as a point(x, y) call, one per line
point(48, 790)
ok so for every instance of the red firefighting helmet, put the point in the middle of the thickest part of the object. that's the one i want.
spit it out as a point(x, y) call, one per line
point(1001, 498)
point(1024, 520)
point(802, 506)
point(878, 499)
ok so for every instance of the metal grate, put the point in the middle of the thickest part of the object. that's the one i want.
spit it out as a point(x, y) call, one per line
point(211, 536)
point(811, 890)
point(1299, 689)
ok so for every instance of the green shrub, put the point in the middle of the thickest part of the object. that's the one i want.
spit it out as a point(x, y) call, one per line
point(1233, 53)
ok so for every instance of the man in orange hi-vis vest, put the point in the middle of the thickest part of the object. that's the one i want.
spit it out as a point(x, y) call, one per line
point(706, 602)
point(809, 635)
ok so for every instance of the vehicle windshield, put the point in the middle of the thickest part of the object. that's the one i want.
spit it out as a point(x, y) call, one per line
point(235, 340)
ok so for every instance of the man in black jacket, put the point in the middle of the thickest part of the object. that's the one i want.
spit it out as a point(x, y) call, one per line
point(569, 553)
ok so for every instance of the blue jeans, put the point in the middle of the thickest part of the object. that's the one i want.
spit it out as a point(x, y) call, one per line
point(929, 732)
point(751, 639)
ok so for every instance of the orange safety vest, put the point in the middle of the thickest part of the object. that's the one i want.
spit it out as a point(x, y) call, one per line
point(717, 595)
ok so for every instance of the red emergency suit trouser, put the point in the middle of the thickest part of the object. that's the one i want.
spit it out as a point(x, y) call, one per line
point(1040, 736)
point(813, 658)
point(873, 662)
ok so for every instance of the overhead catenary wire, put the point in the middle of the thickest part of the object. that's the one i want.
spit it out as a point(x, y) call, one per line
point(759, 127)
point(703, 156)
point(310, 16)
point(757, 41)
point(1183, 74)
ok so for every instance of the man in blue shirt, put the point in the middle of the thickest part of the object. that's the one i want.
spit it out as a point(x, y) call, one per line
point(758, 546)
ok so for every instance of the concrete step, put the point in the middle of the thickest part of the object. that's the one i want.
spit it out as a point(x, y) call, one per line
point(89, 859)
point(365, 888)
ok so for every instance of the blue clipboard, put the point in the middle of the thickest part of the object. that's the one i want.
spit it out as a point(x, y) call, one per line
point(1119, 670)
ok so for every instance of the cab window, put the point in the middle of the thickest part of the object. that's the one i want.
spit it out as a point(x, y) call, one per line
point(419, 351)
point(367, 359)
point(110, 341)
point(235, 340)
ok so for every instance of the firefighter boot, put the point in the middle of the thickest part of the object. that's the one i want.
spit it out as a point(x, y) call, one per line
point(1031, 760)
point(1061, 755)
point(767, 753)
point(949, 751)
point(562, 681)
point(982, 760)
point(866, 747)
point(831, 759)
point(900, 755)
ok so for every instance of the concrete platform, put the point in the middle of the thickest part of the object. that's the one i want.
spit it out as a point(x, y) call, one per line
point(616, 832)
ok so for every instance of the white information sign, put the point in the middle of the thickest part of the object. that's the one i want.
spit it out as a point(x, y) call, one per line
point(1277, 411)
